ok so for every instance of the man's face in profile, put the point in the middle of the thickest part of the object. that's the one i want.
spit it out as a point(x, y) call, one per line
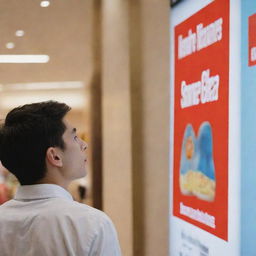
point(74, 157)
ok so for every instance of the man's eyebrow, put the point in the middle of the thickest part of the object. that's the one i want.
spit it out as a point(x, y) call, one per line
point(73, 130)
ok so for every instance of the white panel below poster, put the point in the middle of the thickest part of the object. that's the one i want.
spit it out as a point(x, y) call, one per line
point(188, 240)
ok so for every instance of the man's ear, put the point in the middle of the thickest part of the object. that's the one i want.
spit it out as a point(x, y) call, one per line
point(53, 156)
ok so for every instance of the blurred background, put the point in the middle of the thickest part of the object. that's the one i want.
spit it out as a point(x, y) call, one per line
point(108, 60)
point(45, 54)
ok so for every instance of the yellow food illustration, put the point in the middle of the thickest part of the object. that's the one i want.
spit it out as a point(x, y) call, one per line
point(198, 184)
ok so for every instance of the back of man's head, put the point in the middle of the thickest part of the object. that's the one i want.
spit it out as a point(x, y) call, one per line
point(25, 136)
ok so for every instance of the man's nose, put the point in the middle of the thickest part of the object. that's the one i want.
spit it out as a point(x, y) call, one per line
point(83, 145)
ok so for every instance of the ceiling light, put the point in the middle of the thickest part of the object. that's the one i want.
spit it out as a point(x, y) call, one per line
point(10, 45)
point(19, 33)
point(76, 100)
point(45, 3)
point(24, 58)
point(63, 85)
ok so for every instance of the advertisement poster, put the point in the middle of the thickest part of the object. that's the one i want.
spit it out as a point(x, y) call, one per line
point(201, 118)
point(248, 128)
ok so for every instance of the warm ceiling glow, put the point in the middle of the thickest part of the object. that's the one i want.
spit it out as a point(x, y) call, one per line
point(45, 3)
point(19, 33)
point(24, 58)
point(63, 85)
point(10, 45)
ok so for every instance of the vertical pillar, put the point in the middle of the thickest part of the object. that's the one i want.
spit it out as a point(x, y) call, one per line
point(135, 108)
point(96, 103)
point(156, 105)
point(116, 104)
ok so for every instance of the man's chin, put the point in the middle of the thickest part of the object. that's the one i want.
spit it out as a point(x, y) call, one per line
point(82, 174)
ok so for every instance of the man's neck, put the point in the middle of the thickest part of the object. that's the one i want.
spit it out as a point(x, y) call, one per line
point(61, 183)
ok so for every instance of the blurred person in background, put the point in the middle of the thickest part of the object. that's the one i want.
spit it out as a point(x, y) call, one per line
point(40, 147)
point(4, 192)
point(8, 185)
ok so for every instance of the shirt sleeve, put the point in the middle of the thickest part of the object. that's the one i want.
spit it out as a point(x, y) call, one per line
point(105, 242)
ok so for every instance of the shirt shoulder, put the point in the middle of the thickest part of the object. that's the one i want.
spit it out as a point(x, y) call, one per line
point(86, 230)
point(74, 211)
point(56, 209)
point(95, 224)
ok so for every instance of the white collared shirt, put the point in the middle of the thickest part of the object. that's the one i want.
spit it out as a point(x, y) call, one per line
point(43, 220)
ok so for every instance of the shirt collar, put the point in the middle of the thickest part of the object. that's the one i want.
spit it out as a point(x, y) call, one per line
point(41, 191)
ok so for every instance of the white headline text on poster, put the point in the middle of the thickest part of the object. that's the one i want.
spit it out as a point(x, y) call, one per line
point(197, 215)
point(202, 38)
point(206, 90)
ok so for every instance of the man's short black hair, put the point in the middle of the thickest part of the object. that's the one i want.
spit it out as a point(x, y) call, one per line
point(25, 136)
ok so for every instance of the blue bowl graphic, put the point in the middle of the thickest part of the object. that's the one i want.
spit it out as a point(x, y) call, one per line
point(197, 173)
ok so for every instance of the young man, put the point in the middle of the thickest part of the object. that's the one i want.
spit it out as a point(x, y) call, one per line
point(42, 150)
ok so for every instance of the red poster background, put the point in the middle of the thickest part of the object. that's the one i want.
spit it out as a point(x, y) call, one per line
point(216, 58)
point(251, 37)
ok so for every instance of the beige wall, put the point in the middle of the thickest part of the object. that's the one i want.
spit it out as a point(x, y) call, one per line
point(154, 78)
point(117, 158)
point(135, 84)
